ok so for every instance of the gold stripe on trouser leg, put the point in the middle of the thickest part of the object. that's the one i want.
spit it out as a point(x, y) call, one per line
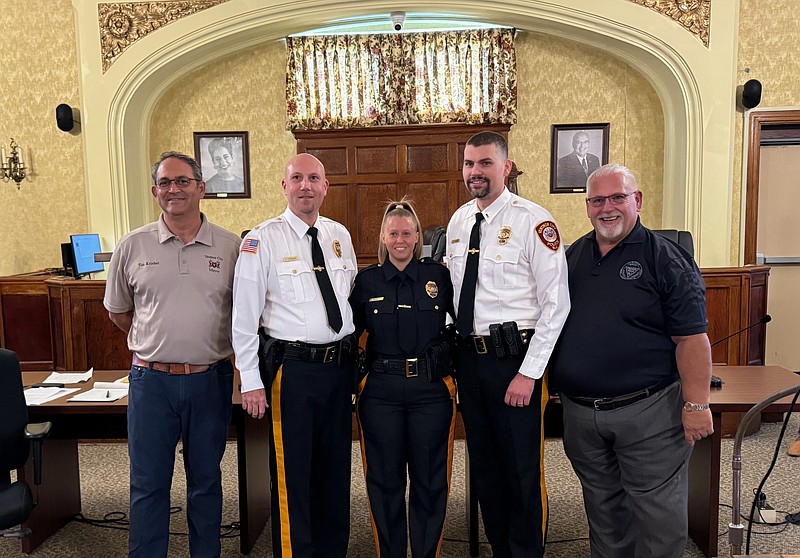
point(280, 465)
point(361, 385)
point(451, 387)
point(545, 397)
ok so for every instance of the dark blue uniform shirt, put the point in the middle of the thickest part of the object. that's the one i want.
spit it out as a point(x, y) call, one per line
point(401, 308)
point(626, 306)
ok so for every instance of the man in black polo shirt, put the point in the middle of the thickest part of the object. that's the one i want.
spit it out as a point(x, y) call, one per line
point(633, 368)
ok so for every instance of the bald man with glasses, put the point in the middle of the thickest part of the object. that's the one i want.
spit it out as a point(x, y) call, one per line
point(633, 369)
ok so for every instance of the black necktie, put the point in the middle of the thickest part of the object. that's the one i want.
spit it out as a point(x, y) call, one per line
point(466, 302)
point(407, 332)
point(325, 287)
point(585, 167)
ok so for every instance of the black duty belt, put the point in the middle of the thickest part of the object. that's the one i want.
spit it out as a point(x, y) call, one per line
point(482, 344)
point(309, 352)
point(609, 403)
point(408, 367)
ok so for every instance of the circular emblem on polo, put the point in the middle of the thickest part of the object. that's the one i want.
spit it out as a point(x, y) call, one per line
point(630, 271)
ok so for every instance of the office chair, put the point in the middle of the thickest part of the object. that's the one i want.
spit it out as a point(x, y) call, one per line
point(436, 238)
point(681, 238)
point(16, 435)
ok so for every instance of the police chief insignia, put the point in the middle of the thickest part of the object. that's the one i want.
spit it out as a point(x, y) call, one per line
point(431, 289)
point(337, 248)
point(504, 235)
point(548, 234)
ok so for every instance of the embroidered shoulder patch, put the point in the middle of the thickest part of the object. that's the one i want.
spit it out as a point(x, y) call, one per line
point(250, 245)
point(547, 231)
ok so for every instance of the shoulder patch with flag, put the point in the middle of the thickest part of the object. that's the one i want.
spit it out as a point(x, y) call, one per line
point(250, 245)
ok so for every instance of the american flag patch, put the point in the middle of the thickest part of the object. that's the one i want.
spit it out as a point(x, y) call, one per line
point(250, 245)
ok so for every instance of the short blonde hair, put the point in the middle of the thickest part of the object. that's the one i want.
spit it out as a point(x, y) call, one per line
point(402, 208)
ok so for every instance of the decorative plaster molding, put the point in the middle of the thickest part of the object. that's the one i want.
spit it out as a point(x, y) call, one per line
point(694, 15)
point(124, 23)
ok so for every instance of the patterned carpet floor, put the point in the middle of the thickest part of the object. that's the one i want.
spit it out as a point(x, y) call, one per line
point(104, 486)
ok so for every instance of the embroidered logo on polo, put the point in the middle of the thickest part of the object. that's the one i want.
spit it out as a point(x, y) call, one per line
point(214, 263)
point(504, 235)
point(547, 231)
point(630, 271)
point(432, 289)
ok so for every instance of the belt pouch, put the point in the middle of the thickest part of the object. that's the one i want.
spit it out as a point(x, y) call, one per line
point(438, 360)
point(497, 340)
point(270, 356)
point(512, 338)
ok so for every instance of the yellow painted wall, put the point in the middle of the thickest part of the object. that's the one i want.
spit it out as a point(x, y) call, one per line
point(245, 91)
point(769, 51)
point(39, 67)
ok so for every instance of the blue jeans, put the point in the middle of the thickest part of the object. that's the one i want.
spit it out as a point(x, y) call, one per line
point(162, 409)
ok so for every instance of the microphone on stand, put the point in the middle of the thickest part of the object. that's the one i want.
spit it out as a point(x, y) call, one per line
point(716, 381)
point(765, 319)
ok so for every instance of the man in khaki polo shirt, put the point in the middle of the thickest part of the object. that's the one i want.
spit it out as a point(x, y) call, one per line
point(169, 288)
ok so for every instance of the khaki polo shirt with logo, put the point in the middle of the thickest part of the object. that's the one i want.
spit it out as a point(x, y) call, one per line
point(180, 295)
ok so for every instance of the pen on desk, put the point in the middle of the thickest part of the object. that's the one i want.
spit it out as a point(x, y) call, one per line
point(108, 394)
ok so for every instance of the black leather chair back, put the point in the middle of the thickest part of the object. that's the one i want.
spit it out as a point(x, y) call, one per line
point(681, 238)
point(436, 238)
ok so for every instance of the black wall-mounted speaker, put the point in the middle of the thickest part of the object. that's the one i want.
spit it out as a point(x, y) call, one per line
point(751, 93)
point(64, 118)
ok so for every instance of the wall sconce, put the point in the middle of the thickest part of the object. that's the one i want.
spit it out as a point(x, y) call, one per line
point(13, 167)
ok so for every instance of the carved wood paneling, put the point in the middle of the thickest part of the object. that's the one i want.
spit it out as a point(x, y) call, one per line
point(693, 15)
point(376, 165)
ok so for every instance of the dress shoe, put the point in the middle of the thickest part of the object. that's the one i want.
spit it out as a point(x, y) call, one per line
point(794, 448)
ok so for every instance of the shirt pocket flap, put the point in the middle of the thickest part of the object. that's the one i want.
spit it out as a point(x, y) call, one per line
point(294, 268)
point(384, 306)
point(429, 305)
point(339, 264)
point(501, 254)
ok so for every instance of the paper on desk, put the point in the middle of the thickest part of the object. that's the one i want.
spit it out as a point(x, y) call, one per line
point(103, 391)
point(69, 377)
point(37, 396)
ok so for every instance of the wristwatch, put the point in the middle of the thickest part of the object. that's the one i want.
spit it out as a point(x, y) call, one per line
point(690, 407)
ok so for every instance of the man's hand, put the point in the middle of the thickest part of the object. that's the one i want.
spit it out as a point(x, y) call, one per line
point(254, 403)
point(697, 425)
point(519, 391)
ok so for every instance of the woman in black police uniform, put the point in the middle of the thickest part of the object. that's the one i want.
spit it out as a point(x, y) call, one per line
point(406, 402)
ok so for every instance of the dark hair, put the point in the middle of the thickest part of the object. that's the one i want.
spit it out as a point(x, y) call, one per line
point(198, 173)
point(220, 142)
point(490, 138)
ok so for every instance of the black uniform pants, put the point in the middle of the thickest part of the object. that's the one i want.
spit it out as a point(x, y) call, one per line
point(311, 419)
point(505, 454)
point(407, 422)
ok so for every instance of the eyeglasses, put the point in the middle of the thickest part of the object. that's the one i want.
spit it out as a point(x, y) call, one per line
point(180, 182)
point(615, 199)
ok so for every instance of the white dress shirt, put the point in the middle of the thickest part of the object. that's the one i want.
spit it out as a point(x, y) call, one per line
point(275, 287)
point(522, 274)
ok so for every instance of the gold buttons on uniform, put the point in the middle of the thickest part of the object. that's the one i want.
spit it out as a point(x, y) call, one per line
point(375, 311)
point(294, 271)
point(498, 257)
point(436, 307)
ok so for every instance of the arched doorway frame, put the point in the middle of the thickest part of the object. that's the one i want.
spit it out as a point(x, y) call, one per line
point(681, 70)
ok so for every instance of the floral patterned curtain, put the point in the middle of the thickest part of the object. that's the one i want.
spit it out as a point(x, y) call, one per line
point(344, 81)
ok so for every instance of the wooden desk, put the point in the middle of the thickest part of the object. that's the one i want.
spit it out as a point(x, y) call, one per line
point(59, 495)
point(744, 387)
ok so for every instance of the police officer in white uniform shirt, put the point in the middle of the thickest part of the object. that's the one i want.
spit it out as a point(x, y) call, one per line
point(505, 257)
point(299, 300)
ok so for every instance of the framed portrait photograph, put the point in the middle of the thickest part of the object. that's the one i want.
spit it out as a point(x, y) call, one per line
point(577, 151)
point(224, 160)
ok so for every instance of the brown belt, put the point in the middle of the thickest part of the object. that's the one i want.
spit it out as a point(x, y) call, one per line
point(173, 368)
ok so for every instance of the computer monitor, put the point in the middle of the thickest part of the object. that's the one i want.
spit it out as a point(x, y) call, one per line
point(84, 247)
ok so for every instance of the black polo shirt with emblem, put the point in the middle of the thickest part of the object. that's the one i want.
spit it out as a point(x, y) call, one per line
point(626, 306)
point(403, 311)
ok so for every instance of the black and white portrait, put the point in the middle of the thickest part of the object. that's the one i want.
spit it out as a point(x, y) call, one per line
point(578, 150)
point(223, 158)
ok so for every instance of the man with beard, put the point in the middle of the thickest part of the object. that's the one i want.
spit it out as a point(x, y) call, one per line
point(573, 169)
point(510, 288)
point(633, 369)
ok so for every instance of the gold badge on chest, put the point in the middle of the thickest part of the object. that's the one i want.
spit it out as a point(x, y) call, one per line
point(432, 289)
point(337, 248)
point(504, 235)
